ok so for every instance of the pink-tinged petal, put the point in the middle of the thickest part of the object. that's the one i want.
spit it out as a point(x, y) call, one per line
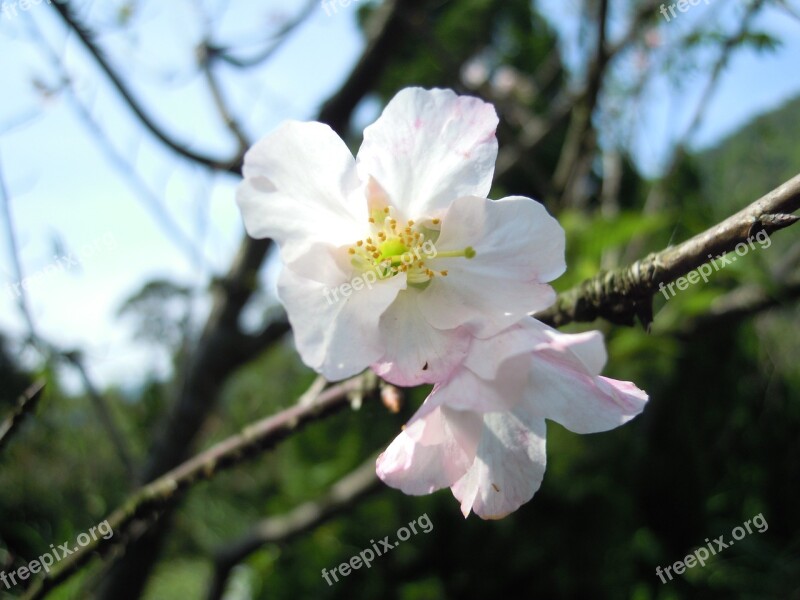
point(508, 468)
point(561, 389)
point(444, 448)
point(518, 247)
point(415, 352)
point(467, 391)
point(587, 348)
point(300, 185)
point(430, 147)
point(487, 355)
point(336, 335)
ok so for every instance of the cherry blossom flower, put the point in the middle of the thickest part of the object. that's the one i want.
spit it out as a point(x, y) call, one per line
point(482, 432)
point(396, 259)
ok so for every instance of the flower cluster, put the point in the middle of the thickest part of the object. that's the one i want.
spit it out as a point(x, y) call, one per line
point(457, 317)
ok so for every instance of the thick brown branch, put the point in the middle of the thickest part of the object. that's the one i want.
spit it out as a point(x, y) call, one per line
point(621, 294)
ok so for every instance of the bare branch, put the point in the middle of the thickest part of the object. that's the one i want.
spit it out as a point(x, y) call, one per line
point(232, 164)
point(621, 294)
point(22, 297)
point(576, 153)
point(26, 404)
point(535, 129)
point(140, 511)
point(341, 496)
point(224, 54)
point(739, 304)
point(103, 411)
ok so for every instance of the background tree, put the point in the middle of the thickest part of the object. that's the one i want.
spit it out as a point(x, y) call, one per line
point(716, 445)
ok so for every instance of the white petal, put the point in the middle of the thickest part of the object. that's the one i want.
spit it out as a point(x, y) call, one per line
point(442, 452)
point(300, 185)
point(416, 352)
point(430, 147)
point(587, 348)
point(508, 468)
point(467, 391)
point(518, 248)
point(487, 355)
point(336, 335)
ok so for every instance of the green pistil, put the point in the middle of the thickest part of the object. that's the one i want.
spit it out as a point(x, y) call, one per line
point(392, 249)
point(468, 252)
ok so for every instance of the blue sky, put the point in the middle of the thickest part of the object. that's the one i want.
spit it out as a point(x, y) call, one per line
point(67, 196)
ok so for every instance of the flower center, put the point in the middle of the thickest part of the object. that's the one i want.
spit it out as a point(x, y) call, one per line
point(394, 248)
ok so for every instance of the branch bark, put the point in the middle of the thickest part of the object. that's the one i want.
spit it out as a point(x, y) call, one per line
point(26, 404)
point(622, 294)
point(142, 509)
point(305, 517)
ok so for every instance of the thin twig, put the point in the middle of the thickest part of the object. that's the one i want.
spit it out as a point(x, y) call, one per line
point(13, 247)
point(277, 39)
point(232, 164)
point(309, 515)
point(104, 414)
point(26, 404)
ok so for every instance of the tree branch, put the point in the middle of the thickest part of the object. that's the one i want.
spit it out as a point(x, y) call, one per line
point(621, 294)
point(232, 164)
point(306, 517)
point(26, 404)
point(146, 505)
point(739, 304)
point(278, 38)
